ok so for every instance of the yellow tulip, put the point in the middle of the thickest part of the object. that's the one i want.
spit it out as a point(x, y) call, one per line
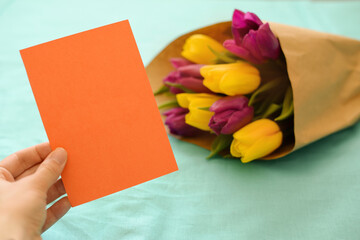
point(196, 102)
point(196, 49)
point(256, 140)
point(184, 99)
point(231, 79)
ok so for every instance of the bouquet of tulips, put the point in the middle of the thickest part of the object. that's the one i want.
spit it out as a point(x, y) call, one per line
point(235, 96)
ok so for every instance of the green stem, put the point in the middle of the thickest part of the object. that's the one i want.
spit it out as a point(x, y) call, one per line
point(222, 57)
point(161, 90)
point(221, 142)
point(170, 104)
point(266, 87)
point(288, 106)
point(180, 87)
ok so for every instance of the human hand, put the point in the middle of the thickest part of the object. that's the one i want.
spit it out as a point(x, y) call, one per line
point(28, 182)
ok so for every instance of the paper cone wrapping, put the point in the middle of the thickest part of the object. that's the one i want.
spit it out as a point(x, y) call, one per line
point(324, 72)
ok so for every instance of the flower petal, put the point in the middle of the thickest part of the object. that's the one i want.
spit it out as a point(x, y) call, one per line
point(263, 147)
point(197, 49)
point(184, 99)
point(192, 70)
point(172, 77)
point(179, 62)
point(217, 124)
point(214, 73)
point(176, 111)
point(197, 117)
point(242, 23)
point(238, 120)
point(235, 82)
point(255, 130)
point(267, 43)
point(237, 148)
point(175, 121)
point(227, 103)
point(239, 51)
point(194, 84)
point(252, 20)
point(250, 43)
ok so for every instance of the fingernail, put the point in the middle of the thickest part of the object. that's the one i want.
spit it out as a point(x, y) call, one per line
point(59, 155)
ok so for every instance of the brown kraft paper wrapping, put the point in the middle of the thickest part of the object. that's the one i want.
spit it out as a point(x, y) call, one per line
point(324, 72)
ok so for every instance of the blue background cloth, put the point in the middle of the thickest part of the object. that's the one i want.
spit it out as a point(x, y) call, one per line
point(313, 193)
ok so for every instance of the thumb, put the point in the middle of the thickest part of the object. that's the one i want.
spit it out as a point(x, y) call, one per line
point(50, 169)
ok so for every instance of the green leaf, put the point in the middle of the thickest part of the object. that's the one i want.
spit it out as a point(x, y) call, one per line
point(265, 103)
point(288, 106)
point(180, 87)
point(271, 109)
point(161, 90)
point(221, 142)
point(231, 55)
point(229, 156)
point(266, 87)
point(170, 104)
point(222, 57)
point(169, 94)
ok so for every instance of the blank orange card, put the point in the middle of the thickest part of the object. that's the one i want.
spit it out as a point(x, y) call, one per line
point(95, 100)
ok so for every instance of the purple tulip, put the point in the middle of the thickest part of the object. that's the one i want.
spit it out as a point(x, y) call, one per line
point(175, 120)
point(173, 78)
point(231, 114)
point(187, 75)
point(253, 40)
point(194, 84)
point(192, 70)
point(180, 62)
point(242, 23)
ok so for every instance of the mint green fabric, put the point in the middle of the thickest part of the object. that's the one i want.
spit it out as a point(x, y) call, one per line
point(313, 193)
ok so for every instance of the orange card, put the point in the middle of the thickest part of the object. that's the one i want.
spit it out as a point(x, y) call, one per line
point(95, 101)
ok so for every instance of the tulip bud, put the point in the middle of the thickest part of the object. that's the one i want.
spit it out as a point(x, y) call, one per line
point(191, 70)
point(231, 79)
point(171, 78)
point(179, 62)
point(253, 40)
point(231, 114)
point(198, 116)
point(175, 120)
point(242, 23)
point(186, 75)
point(255, 140)
point(197, 49)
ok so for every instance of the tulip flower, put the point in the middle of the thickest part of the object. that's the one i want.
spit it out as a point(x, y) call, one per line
point(253, 40)
point(242, 23)
point(197, 49)
point(231, 79)
point(197, 103)
point(172, 78)
point(192, 70)
point(231, 114)
point(180, 62)
point(186, 75)
point(175, 120)
point(255, 140)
